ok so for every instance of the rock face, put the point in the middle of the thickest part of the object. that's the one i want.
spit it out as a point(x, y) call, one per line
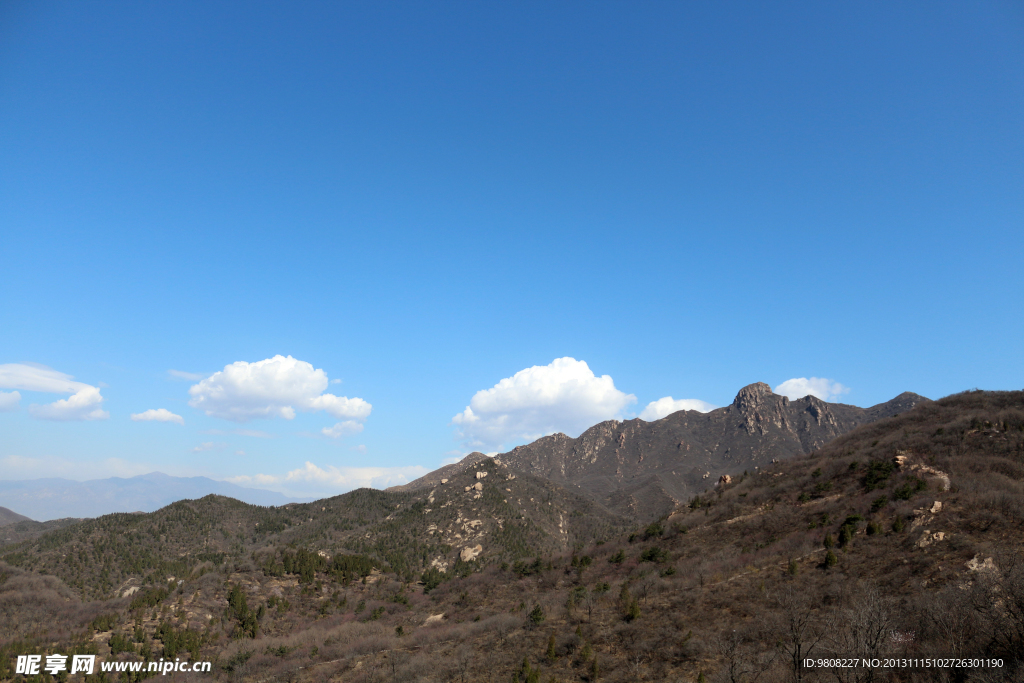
point(468, 554)
point(643, 469)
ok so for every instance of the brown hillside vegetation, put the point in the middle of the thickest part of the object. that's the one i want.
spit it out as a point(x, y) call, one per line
point(899, 539)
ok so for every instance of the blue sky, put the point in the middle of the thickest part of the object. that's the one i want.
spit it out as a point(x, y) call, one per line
point(424, 199)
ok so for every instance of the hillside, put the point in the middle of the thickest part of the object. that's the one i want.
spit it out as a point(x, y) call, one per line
point(509, 517)
point(642, 470)
point(898, 539)
point(11, 517)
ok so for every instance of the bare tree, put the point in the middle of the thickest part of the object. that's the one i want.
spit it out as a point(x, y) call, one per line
point(798, 629)
point(745, 660)
point(952, 616)
point(644, 585)
point(863, 629)
point(998, 599)
point(460, 664)
point(589, 601)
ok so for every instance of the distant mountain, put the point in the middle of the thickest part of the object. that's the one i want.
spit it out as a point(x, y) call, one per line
point(644, 469)
point(11, 517)
point(46, 499)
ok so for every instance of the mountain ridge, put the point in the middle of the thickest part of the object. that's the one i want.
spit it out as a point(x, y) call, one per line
point(55, 498)
point(642, 470)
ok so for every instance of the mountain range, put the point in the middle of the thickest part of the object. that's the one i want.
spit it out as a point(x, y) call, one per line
point(907, 525)
point(48, 499)
point(642, 470)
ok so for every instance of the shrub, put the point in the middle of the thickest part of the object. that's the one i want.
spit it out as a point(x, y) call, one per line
point(431, 578)
point(877, 473)
point(104, 622)
point(617, 558)
point(148, 599)
point(536, 615)
point(654, 529)
point(653, 554)
point(909, 488)
point(879, 503)
point(830, 559)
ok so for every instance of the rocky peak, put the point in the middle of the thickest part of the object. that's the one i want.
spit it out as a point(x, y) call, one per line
point(752, 395)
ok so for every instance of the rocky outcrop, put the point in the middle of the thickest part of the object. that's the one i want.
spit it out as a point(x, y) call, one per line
point(469, 554)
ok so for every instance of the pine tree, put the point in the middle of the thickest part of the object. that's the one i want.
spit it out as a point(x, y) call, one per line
point(551, 654)
point(633, 611)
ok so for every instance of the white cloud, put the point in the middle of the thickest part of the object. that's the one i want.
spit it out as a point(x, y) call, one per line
point(343, 429)
point(158, 415)
point(83, 404)
point(275, 387)
point(564, 396)
point(209, 446)
point(239, 452)
point(798, 387)
point(361, 448)
point(190, 376)
point(656, 410)
point(9, 401)
point(312, 480)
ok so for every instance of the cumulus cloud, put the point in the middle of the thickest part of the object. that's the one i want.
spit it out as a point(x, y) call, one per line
point(275, 387)
point(663, 407)
point(343, 429)
point(9, 401)
point(83, 404)
point(158, 415)
point(564, 396)
point(798, 387)
point(312, 479)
